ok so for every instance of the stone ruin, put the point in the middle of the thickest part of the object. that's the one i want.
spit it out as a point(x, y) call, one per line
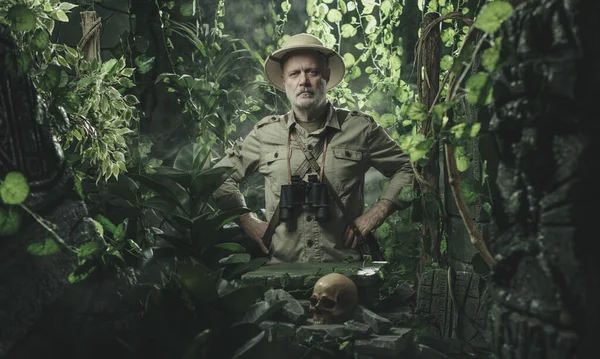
point(370, 333)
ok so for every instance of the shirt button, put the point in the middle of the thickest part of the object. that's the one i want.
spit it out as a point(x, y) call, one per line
point(309, 218)
point(276, 155)
point(310, 147)
point(309, 243)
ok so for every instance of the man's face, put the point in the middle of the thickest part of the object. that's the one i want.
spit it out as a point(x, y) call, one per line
point(305, 80)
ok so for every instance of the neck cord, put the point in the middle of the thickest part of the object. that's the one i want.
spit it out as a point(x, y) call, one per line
point(289, 156)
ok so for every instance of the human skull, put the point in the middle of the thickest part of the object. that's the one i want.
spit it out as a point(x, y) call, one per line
point(333, 300)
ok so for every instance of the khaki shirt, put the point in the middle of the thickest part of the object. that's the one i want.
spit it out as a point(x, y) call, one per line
point(358, 144)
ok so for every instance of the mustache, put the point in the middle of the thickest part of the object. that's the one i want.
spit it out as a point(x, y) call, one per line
point(299, 92)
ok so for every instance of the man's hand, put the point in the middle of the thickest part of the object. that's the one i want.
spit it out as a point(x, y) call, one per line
point(368, 221)
point(255, 228)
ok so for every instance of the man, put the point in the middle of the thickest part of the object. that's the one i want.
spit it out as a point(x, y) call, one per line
point(347, 145)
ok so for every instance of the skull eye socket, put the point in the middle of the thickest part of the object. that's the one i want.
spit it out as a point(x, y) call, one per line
point(314, 301)
point(327, 303)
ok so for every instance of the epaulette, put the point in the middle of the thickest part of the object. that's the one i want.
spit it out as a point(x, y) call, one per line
point(267, 120)
point(355, 113)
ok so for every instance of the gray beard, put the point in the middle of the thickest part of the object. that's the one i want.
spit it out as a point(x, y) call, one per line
point(318, 99)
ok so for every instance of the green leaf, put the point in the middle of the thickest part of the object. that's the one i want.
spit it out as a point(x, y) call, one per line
point(40, 40)
point(10, 221)
point(469, 190)
point(235, 258)
point(417, 112)
point(14, 189)
point(232, 247)
point(407, 194)
point(144, 63)
point(89, 249)
point(207, 182)
point(51, 78)
point(446, 62)
point(490, 58)
point(349, 59)
point(60, 16)
point(46, 248)
point(192, 159)
point(105, 223)
point(78, 277)
point(480, 89)
point(371, 25)
point(127, 83)
point(66, 6)
point(199, 281)
point(349, 31)
point(475, 128)
point(175, 174)
point(187, 8)
point(334, 15)
point(157, 187)
point(492, 15)
point(239, 300)
point(21, 18)
point(240, 269)
point(462, 160)
point(261, 311)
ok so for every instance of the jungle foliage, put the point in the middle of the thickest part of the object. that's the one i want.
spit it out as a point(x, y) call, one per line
point(142, 125)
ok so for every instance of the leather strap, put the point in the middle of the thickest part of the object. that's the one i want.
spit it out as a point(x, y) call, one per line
point(366, 244)
point(301, 171)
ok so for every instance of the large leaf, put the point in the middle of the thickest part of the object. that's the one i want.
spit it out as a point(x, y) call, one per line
point(221, 219)
point(21, 18)
point(232, 247)
point(492, 15)
point(236, 258)
point(159, 204)
point(10, 221)
point(175, 174)
point(239, 300)
point(199, 281)
point(207, 182)
point(14, 189)
point(235, 341)
point(263, 310)
point(180, 244)
point(192, 159)
point(45, 248)
point(240, 269)
point(158, 187)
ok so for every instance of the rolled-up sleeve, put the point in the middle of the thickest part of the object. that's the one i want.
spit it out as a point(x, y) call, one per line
point(387, 157)
point(243, 157)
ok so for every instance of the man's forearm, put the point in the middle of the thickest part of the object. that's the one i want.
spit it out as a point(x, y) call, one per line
point(383, 209)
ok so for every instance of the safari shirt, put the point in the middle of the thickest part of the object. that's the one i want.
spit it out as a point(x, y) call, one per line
point(357, 144)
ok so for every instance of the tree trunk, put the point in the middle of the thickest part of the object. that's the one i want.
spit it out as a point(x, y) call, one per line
point(428, 74)
point(90, 41)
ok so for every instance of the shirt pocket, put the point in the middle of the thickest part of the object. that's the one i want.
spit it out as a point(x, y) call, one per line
point(347, 165)
point(275, 168)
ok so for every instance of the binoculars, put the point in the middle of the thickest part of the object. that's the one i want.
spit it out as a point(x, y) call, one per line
point(300, 193)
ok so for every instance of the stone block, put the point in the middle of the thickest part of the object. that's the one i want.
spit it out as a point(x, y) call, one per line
point(278, 330)
point(401, 316)
point(386, 345)
point(379, 324)
point(304, 332)
point(464, 319)
point(358, 330)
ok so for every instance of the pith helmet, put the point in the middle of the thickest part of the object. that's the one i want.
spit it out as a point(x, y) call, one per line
point(304, 42)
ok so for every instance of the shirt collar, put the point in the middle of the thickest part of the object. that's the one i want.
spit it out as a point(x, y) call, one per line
point(330, 121)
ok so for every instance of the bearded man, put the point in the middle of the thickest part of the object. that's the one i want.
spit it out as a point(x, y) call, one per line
point(304, 198)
